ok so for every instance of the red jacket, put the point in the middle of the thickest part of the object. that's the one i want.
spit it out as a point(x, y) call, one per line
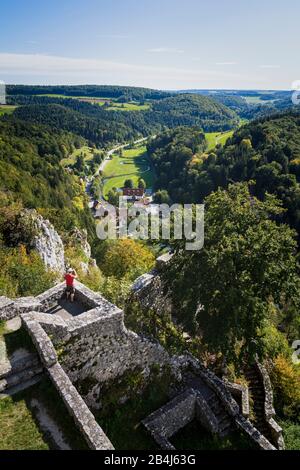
point(69, 278)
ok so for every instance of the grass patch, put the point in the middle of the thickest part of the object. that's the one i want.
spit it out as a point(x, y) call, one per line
point(128, 107)
point(122, 423)
point(48, 396)
point(258, 100)
point(90, 99)
point(133, 164)
point(87, 152)
point(20, 429)
point(7, 109)
point(214, 138)
point(101, 101)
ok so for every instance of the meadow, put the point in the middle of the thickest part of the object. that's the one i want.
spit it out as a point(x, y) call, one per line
point(257, 100)
point(214, 138)
point(101, 101)
point(132, 164)
point(128, 107)
point(6, 109)
point(87, 152)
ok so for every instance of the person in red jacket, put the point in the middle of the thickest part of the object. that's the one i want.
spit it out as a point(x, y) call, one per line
point(69, 278)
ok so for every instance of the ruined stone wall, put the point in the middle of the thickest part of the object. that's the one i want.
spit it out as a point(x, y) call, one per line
point(104, 349)
point(269, 411)
point(83, 418)
point(97, 345)
point(12, 308)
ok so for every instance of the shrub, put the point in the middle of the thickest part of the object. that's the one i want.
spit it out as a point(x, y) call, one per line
point(285, 378)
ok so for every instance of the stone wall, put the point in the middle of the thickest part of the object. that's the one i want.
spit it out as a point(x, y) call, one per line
point(10, 309)
point(231, 406)
point(175, 415)
point(96, 345)
point(83, 418)
point(269, 411)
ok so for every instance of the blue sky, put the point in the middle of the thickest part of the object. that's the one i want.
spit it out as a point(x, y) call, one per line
point(168, 44)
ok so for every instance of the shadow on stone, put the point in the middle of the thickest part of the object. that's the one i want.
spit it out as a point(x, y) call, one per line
point(66, 309)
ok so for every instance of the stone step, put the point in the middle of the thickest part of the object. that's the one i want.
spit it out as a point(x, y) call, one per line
point(25, 362)
point(19, 377)
point(255, 383)
point(226, 430)
point(217, 410)
point(259, 403)
point(224, 422)
point(21, 386)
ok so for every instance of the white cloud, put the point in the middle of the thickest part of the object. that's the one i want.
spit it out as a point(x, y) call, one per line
point(113, 36)
point(226, 63)
point(165, 50)
point(270, 66)
point(47, 69)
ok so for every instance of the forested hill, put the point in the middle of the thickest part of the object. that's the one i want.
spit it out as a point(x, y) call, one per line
point(265, 151)
point(81, 121)
point(191, 110)
point(31, 174)
point(108, 91)
point(102, 127)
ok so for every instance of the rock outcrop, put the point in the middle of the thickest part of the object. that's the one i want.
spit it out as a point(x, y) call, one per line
point(46, 242)
point(80, 236)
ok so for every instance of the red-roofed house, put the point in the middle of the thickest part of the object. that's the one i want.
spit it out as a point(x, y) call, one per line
point(133, 193)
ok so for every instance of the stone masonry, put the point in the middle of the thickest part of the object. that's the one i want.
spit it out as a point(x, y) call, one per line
point(96, 345)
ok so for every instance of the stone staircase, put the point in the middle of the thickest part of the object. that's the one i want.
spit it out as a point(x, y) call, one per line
point(20, 374)
point(257, 392)
point(224, 421)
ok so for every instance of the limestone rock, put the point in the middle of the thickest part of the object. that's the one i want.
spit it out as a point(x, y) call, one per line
point(80, 236)
point(47, 242)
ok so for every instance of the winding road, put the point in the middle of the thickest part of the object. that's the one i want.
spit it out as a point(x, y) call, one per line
point(104, 163)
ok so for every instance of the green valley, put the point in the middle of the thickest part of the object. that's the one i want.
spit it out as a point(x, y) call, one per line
point(131, 164)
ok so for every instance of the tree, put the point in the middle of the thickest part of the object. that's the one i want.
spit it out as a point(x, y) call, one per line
point(142, 183)
point(161, 197)
point(79, 164)
point(127, 258)
point(128, 183)
point(247, 268)
point(286, 382)
point(98, 158)
point(113, 197)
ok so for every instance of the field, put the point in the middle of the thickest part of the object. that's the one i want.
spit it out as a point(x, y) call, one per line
point(214, 138)
point(6, 109)
point(128, 107)
point(113, 105)
point(87, 152)
point(133, 164)
point(257, 100)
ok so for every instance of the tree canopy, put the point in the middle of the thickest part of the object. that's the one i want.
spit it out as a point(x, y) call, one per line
point(247, 268)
